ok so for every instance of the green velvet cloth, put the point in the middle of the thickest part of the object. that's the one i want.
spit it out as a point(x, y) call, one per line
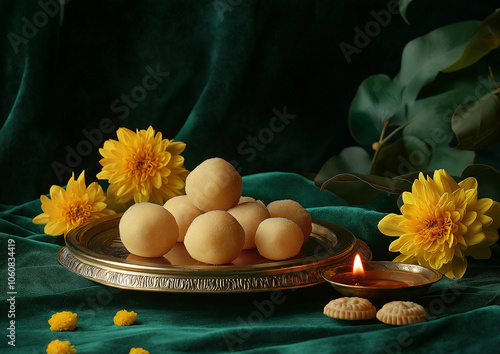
point(263, 84)
point(463, 313)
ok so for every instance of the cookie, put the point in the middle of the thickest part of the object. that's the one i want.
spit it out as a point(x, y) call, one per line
point(400, 313)
point(350, 308)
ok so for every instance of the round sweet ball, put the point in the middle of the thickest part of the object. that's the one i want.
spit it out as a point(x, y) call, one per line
point(184, 213)
point(148, 230)
point(214, 185)
point(249, 215)
point(278, 238)
point(292, 210)
point(215, 237)
point(244, 199)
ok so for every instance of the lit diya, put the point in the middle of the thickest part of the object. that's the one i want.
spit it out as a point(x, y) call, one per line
point(385, 281)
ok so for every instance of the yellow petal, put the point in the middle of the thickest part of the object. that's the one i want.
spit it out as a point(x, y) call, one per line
point(458, 267)
point(396, 245)
point(56, 228)
point(156, 181)
point(468, 183)
point(474, 239)
point(418, 189)
point(405, 259)
point(389, 225)
point(491, 236)
point(471, 196)
point(483, 205)
point(469, 218)
point(474, 228)
point(494, 213)
point(176, 147)
point(479, 252)
point(41, 219)
point(124, 135)
point(444, 181)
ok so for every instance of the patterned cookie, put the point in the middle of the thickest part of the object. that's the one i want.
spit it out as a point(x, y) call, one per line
point(400, 313)
point(350, 308)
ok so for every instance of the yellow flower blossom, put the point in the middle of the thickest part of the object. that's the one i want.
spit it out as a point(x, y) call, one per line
point(124, 318)
point(442, 222)
point(71, 207)
point(63, 321)
point(60, 347)
point(142, 167)
point(138, 351)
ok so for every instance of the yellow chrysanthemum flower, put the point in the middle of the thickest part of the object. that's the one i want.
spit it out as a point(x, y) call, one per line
point(138, 351)
point(60, 347)
point(442, 222)
point(142, 167)
point(124, 318)
point(71, 207)
point(63, 321)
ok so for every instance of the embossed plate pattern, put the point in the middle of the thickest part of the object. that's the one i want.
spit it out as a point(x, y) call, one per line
point(94, 250)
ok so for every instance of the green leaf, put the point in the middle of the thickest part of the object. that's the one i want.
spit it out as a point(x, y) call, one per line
point(424, 57)
point(350, 160)
point(405, 155)
point(383, 184)
point(452, 160)
point(411, 177)
point(488, 180)
point(378, 98)
point(487, 39)
point(477, 125)
point(431, 114)
point(403, 5)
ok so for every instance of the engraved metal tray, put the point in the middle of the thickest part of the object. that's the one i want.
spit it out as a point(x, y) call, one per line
point(94, 251)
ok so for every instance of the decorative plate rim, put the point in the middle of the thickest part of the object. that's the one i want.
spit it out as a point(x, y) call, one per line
point(104, 268)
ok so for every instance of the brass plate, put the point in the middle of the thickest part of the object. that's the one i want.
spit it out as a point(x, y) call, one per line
point(94, 250)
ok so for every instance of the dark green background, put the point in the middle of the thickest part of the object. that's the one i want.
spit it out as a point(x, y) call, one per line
point(223, 78)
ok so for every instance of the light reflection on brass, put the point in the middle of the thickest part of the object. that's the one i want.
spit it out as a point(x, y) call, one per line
point(94, 250)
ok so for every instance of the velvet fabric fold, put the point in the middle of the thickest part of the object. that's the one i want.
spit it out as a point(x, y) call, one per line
point(262, 84)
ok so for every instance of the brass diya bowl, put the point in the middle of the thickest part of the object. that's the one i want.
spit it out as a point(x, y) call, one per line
point(382, 281)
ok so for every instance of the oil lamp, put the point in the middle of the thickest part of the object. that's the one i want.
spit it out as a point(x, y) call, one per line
point(384, 281)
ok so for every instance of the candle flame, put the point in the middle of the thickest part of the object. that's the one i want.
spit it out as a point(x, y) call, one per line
point(357, 268)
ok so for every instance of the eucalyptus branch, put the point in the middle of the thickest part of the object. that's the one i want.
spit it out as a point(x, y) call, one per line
point(383, 140)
